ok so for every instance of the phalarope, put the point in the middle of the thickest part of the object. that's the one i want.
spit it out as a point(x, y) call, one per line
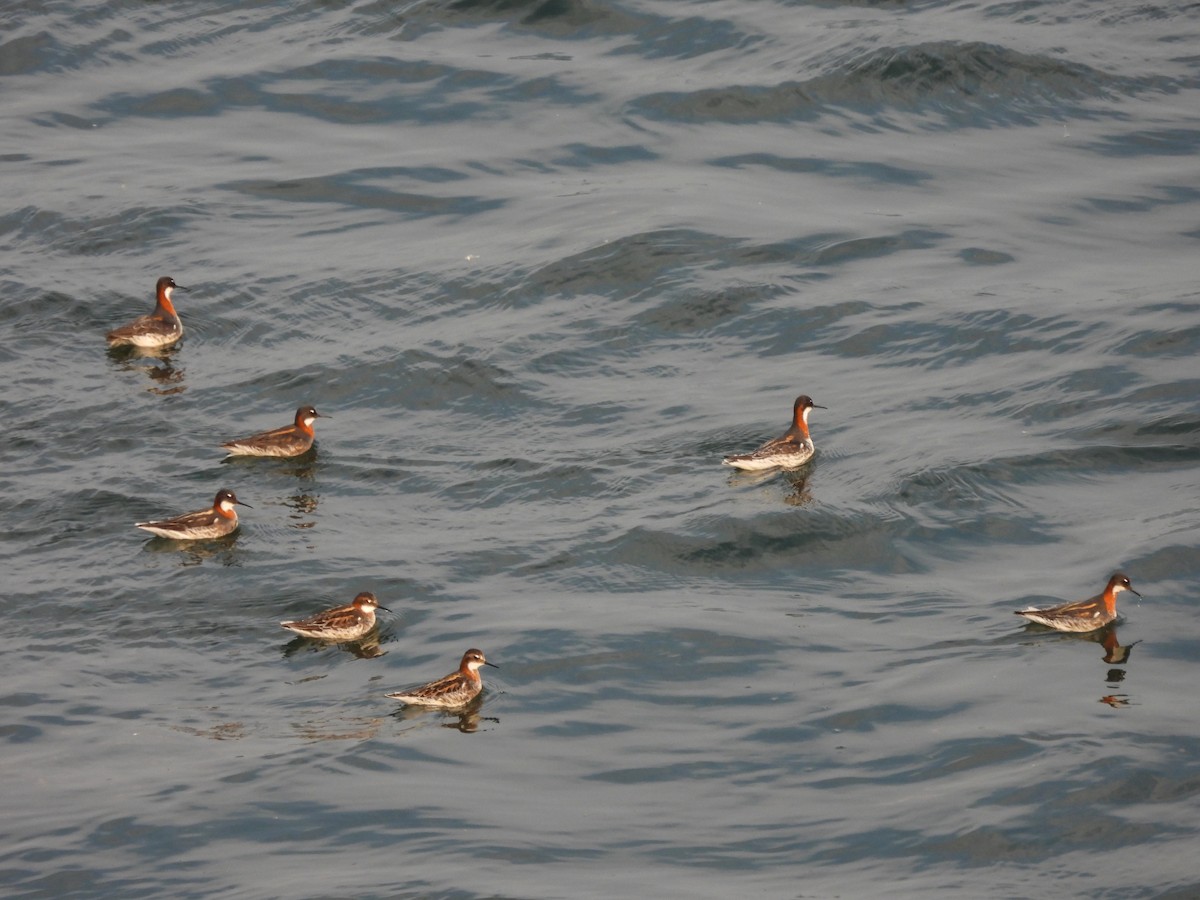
point(790, 450)
point(456, 689)
point(217, 521)
point(160, 328)
point(1083, 615)
point(344, 623)
point(290, 440)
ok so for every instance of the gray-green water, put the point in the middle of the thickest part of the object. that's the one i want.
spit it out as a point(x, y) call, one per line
point(543, 264)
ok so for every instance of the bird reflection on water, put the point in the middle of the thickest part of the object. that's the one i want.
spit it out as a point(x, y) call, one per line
point(797, 480)
point(1115, 654)
point(166, 377)
point(465, 719)
point(193, 553)
point(369, 647)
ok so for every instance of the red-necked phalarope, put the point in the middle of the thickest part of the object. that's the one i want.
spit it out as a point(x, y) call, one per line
point(345, 623)
point(290, 440)
point(215, 522)
point(456, 689)
point(1083, 615)
point(790, 450)
point(160, 328)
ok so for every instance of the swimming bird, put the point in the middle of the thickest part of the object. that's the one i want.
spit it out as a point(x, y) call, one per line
point(290, 440)
point(1083, 615)
point(219, 520)
point(343, 623)
point(790, 450)
point(456, 689)
point(160, 328)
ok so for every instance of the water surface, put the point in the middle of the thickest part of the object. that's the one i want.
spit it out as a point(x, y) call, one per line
point(543, 264)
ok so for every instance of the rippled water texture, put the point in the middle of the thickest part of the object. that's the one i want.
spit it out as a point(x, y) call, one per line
point(543, 264)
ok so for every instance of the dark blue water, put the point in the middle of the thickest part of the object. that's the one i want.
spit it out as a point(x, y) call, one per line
point(543, 265)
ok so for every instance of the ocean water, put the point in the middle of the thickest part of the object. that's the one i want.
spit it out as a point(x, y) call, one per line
point(543, 264)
